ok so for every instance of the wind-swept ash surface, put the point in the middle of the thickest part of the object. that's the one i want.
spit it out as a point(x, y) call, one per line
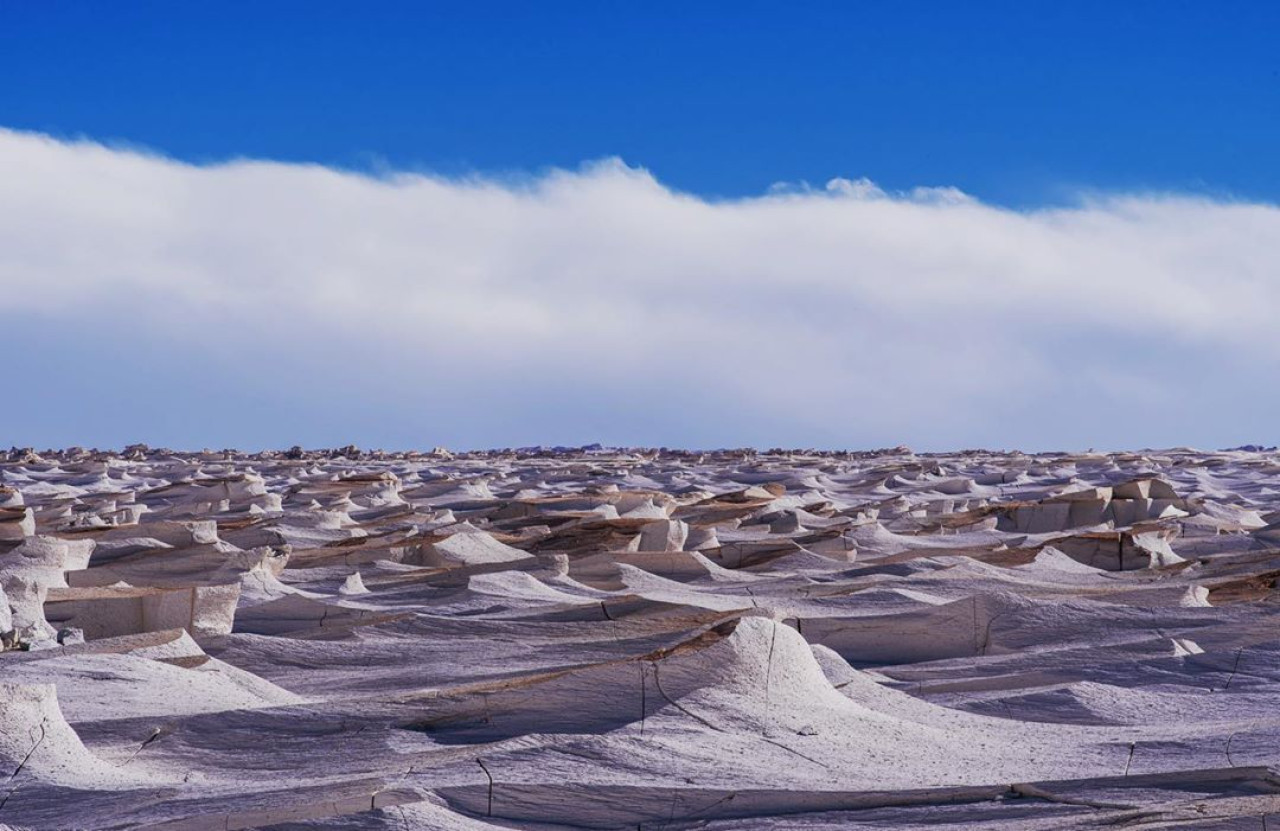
point(639, 639)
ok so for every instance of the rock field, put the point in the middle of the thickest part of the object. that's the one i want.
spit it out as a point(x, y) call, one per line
point(639, 639)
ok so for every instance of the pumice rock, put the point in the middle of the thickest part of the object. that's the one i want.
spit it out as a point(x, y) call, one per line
point(564, 638)
point(353, 585)
point(16, 522)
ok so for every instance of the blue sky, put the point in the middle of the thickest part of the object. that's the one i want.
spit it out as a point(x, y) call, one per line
point(406, 224)
point(1014, 102)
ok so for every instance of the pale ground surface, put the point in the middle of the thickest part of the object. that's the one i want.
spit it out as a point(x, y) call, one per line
point(624, 639)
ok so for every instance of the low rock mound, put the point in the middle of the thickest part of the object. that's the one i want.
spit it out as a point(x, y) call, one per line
point(37, 743)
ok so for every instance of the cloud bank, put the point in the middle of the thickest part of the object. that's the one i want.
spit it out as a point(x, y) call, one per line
point(258, 304)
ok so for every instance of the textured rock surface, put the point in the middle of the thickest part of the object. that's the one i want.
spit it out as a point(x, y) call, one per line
point(604, 638)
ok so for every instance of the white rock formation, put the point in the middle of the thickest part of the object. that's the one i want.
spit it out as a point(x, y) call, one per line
point(605, 638)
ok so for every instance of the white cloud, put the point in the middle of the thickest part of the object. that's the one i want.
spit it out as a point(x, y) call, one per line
point(839, 316)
